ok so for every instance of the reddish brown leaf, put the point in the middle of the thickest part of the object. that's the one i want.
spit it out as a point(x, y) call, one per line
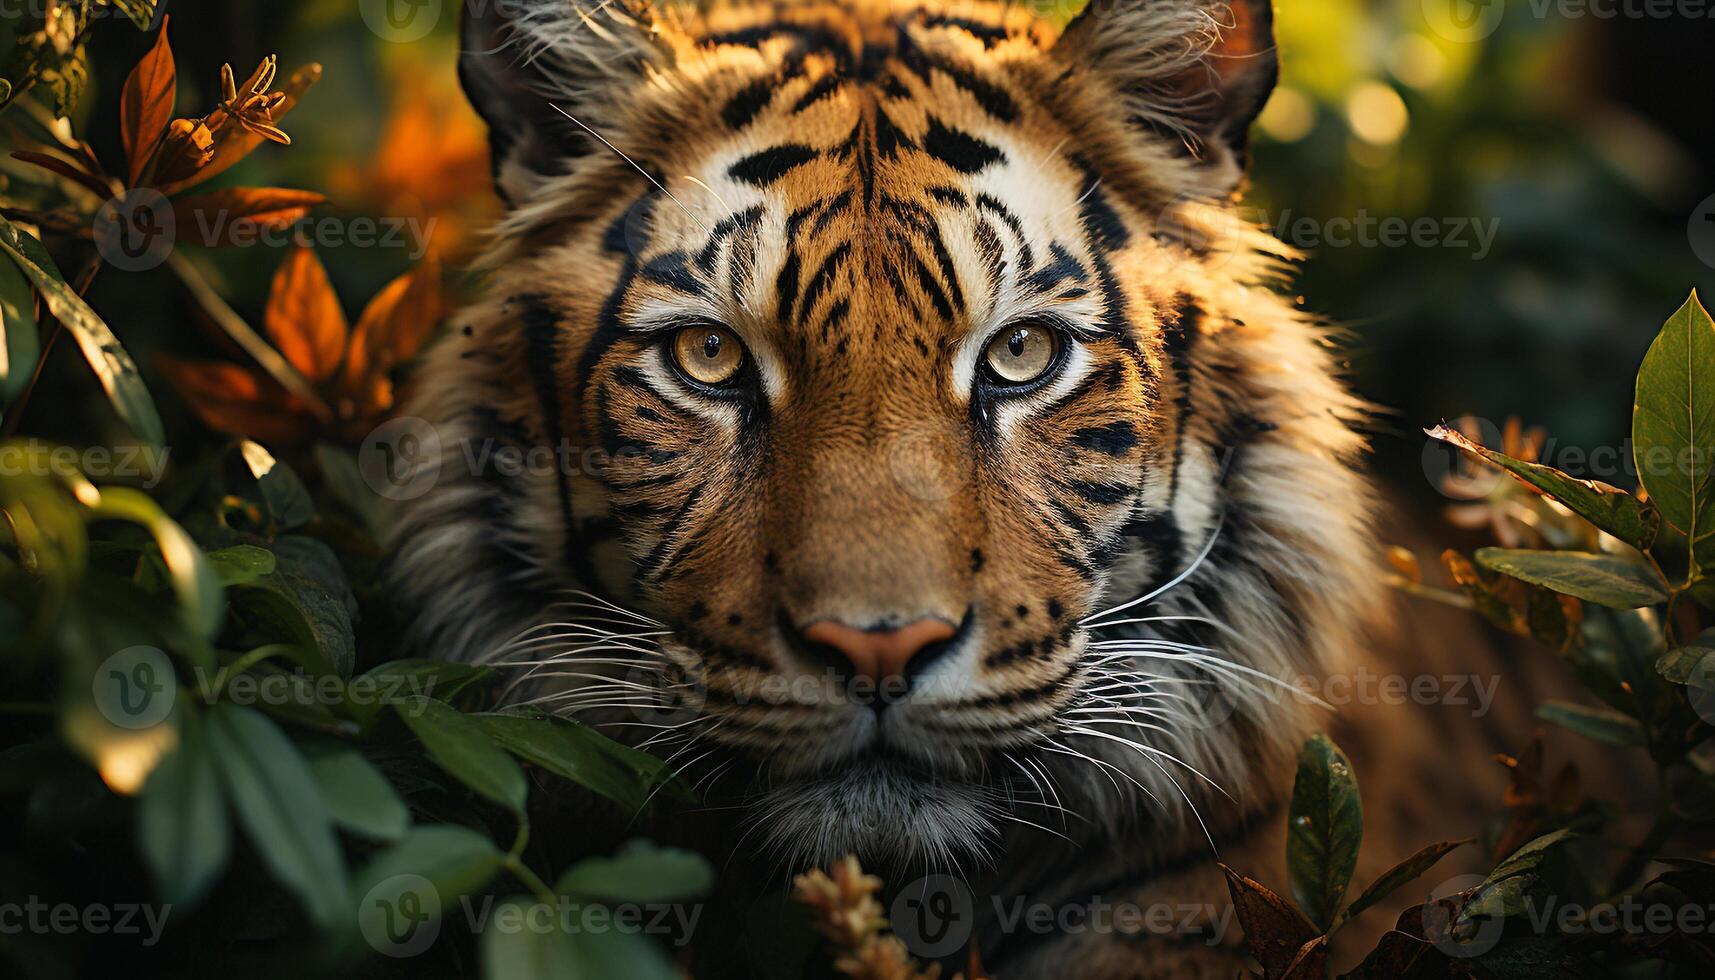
point(303, 317)
point(146, 104)
point(1275, 931)
point(225, 217)
point(234, 400)
point(67, 169)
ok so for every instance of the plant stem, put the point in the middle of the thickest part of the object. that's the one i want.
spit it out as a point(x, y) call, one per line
point(269, 359)
point(537, 886)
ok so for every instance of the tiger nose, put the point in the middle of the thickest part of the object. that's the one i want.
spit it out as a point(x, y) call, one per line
point(879, 654)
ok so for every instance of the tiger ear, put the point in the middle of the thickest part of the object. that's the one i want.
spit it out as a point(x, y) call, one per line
point(1197, 71)
point(529, 66)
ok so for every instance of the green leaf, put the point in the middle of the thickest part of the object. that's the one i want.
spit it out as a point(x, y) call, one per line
point(113, 366)
point(276, 800)
point(515, 948)
point(1502, 893)
point(1616, 581)
point(1405, 871)
point(1673, 426)
point(356, 795)
point(201, 596)
point(1603, 725)
point(575, 752)
point(304, 601)
point(390, 682)
point(241, 564)
point(421, 876)
point(1609, 508)
point(1529, 855)
point(182, 826)
point(641, 872)
point(345, 483)
point(19, 342)
point(1681, 664)
point(459, 745)
point(1325, 826)
point(455, 859)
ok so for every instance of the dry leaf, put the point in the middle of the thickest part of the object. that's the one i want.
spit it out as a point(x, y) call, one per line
point(304, 318)
point(1276, 933)
point(146, 104)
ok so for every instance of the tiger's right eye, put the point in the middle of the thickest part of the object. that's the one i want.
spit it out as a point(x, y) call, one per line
point(708, 354)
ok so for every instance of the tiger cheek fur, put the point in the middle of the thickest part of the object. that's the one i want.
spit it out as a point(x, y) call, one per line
point(859, 212)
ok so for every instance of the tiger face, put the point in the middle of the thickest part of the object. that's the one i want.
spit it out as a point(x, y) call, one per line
point(926, 446)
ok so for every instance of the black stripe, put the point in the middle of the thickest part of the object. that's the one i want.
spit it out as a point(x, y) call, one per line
point(722, 229)
point(1114, 439)
point(764, 168)
point(672, 270)
point(822, 278)
point(959, 149)
point(786, 285)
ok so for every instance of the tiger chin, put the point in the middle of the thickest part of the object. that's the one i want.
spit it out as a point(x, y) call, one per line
point(937, 471)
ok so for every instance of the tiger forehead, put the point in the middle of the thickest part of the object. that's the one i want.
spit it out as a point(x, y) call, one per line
point(891, 154)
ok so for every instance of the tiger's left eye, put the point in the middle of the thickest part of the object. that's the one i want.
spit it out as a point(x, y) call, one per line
point(1021, 353)
point(708, 354)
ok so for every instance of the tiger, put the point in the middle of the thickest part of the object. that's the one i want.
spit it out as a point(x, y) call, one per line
point(913, 443)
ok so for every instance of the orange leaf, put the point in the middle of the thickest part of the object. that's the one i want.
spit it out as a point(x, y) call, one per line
point(226, 217)
point(146, 104)
point(303, 317)
point(393, 326)
point(234, 400)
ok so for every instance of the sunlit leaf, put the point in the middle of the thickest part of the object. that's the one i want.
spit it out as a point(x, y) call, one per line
point(113, 366)
point(1324, 829)
point(1616, 581)
point(146, 104)
point(303, 317)
point(277, 802)
point(1673, 425)
point(182, 825)
point(1607, 507)
point(459, 745)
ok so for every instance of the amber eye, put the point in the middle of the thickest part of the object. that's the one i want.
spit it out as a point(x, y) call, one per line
point(1021, 353)
point(708, 354)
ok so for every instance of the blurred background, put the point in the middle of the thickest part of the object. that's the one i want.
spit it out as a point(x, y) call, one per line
point(1502, 201)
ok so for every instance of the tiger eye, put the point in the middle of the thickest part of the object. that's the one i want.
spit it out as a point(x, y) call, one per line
point(709, 355)
point(1018, 355)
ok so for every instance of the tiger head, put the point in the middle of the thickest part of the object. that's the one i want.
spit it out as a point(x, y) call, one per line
point(880, 410)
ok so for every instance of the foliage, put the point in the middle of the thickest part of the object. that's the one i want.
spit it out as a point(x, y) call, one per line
point(189, 690)
point(1618, 586)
